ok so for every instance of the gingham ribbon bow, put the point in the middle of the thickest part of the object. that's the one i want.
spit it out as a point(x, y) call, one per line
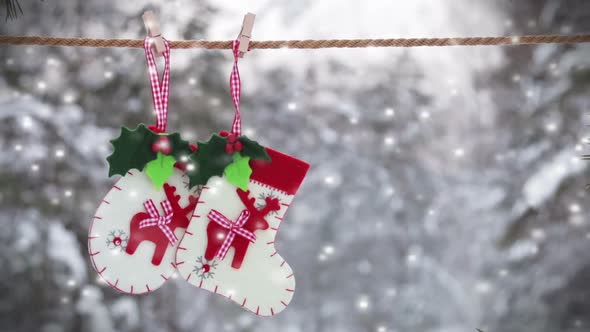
point(160, 91)
point(233, 229)
point(235, 88)
point(156, 219)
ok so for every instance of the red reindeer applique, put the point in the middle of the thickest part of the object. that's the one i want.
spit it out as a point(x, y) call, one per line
point(180, 218)
point(240, 244)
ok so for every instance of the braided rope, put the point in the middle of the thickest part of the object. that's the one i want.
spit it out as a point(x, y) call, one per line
point(301, 44)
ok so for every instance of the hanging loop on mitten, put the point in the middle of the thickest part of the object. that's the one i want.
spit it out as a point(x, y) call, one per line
point(160, 90)
point(235, 88)
point(233, 229)
point(156, 219)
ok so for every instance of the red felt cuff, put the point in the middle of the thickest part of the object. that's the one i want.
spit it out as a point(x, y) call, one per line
point(284, 172)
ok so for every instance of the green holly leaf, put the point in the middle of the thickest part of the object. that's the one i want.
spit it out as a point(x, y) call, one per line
point(132, 149)
point(238, 173)
point(160, 169)
point(210, 160)
point(253, 150)
point(180, 147)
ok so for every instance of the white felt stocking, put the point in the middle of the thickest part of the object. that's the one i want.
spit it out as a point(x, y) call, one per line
point(131, 259)
point(252, 274)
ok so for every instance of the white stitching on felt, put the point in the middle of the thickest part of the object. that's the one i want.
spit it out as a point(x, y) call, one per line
point(270, 188)
point(281, 266)
point(93, 254)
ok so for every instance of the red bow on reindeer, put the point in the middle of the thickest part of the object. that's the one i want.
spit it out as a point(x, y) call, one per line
point(234, 228)
point(161, 221)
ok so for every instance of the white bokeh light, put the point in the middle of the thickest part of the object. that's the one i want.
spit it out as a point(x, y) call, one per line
point(551, 127)
point(68, 98)
point(483, 287)
point(388, 140)
point(329, 180)
point(26, 122)
point(575, 208)
point(328, 249)
point(363, 303)
point(538, 234)
point(412, 258)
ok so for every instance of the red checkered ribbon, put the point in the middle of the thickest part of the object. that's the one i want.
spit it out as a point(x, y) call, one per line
point(156, 219)
point(233, 229)
point(235, 88)
point(159, 90)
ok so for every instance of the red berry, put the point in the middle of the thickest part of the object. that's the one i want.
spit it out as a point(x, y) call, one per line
point(162, 144)
point(193, 147)
point(231, 138)
point(223, 133)
point(155, 147)
point(165, 146)
point(229, 148)
point(238, 146)
point(180, 166)
point(155, 129)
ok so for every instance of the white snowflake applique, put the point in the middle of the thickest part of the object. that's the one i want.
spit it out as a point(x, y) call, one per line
point(117, 239)
point(205, 269)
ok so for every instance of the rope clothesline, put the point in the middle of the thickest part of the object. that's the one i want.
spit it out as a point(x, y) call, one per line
point(303, 44)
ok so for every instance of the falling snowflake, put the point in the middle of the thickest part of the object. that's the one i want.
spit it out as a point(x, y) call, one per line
point(205, 269)
point(117, 239)
point(262, 201)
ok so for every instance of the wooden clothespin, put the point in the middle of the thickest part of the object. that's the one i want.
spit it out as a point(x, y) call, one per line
point(152, 25)
point(246, 34)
